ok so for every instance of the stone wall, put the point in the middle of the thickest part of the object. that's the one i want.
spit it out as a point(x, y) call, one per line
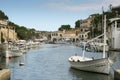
point(5, 74)
point(9, 33)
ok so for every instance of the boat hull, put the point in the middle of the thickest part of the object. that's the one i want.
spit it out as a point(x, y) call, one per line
point(97, 65)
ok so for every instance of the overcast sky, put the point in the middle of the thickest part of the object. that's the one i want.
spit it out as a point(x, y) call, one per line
point(49, 15)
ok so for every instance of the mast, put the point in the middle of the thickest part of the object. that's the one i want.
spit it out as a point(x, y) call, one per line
point(83, 54)
point(104, 36)
point(102, 19)
point(0, 35)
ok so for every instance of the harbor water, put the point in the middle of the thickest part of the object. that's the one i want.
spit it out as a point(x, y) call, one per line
point(50, 62)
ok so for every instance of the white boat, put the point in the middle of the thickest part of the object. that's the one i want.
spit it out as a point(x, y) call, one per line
point(15, 52)
point(89, 64)
point(9, 50)
point(97, 46)
point(5, 51)
point(21, 64)
point(7, 54)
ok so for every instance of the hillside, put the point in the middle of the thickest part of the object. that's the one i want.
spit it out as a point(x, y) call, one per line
point(21, 32)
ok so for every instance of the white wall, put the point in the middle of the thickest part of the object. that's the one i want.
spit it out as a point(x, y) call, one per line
point(115, 36)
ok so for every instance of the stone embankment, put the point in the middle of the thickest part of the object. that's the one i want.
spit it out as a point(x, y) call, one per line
point(117, 74)
point(5, 74)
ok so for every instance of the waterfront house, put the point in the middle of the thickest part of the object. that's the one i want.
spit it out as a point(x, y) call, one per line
point(83, 36)
point(85, 24)
point(71, 35)
point(114, 34)
point(86, 27)
point(8, 32)
point(56, 35)
point(3, 22)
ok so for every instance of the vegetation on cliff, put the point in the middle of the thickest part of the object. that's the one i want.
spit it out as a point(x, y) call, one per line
point(98, 20)
point(95, 29)
point(22, 32)
point(3, 16)
point(64, 27)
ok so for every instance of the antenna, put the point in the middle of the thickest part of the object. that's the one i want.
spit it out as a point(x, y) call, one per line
point(110, 6)
point(104, 36)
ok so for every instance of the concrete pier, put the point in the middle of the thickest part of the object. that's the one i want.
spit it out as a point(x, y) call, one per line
point(5, 74)
point(117, 74)
point(117, 50)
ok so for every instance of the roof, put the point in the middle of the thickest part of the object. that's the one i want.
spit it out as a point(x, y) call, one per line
point(114, 19)
point(72, 31)
point(116, 7)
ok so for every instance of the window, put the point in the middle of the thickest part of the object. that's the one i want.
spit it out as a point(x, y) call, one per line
point(56, 34)
point(60, 35)
point(82, 36)
point(81, 30)
point(118, 25)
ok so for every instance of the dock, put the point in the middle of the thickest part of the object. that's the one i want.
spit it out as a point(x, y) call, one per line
point(116, 50)
point(5, 74)
point(117, 74)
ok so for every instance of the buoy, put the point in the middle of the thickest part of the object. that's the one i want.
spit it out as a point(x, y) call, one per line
point(10, 57)
point(21, 64)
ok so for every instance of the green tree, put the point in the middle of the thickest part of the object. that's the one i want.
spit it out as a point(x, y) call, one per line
point(96, 22)
point(3, 16)
point(65, 27)
point(23, 32)
point(77, 24)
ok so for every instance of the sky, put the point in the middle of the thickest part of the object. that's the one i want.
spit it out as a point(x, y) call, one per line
point(49, 15)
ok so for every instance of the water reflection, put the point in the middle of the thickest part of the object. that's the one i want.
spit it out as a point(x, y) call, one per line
point(10, 62)
point(115, 64)
point(82, 75)
point(4, 63)
point(115, 57)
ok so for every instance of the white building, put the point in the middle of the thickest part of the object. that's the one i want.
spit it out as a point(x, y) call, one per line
point(71, 35)
point(3, 22)
point(56, 35)
point(7, 31)
point(83, 36)
point(114, 33)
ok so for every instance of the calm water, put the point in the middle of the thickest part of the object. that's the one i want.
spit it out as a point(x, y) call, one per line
point(50, 62)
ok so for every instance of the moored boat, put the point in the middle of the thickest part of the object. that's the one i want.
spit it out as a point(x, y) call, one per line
point(101, 65)
point(89, 64)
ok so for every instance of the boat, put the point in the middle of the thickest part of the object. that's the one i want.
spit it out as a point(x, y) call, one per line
point(15, 51)
point(21, 64)
point(5, 50)
point(89, 64)
point(101, 65)
point(96, 46)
